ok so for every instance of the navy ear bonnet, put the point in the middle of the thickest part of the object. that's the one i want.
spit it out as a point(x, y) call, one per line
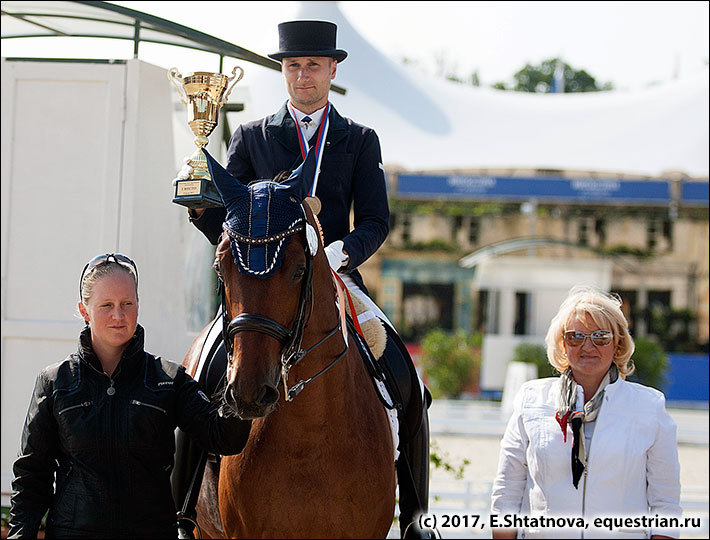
point(261, 217)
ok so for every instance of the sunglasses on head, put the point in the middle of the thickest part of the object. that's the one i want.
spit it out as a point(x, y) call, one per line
point(118, 258)
point(598, 337)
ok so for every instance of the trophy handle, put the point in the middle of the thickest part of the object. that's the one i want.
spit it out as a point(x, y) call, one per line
point(175, 77)
point(234, 74)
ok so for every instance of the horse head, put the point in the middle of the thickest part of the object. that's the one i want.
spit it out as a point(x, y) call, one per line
point(265, 261)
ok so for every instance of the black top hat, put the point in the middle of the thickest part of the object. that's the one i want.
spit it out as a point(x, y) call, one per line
point(308, 38)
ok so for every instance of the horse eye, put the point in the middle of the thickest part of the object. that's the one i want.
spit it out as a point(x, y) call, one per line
point(298, 273)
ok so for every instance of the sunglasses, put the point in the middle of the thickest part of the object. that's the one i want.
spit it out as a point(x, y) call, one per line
point(118, 258)
point(600, 338)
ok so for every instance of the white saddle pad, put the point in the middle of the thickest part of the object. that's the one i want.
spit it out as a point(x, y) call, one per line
point(392, 417)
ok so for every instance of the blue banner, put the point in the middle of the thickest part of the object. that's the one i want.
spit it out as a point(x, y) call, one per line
point(694, 193)
point(544, 189)
point(687, 377)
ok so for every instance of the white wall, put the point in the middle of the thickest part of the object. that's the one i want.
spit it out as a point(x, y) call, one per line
point(87, 164)
point(548, 281)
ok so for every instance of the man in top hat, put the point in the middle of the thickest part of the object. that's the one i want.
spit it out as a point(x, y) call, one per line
point(352, 175)
point(351, 170)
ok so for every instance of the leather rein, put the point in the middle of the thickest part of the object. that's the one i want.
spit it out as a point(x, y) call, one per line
point(292, 351)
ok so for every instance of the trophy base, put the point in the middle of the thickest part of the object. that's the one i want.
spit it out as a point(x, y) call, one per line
point(197, 193)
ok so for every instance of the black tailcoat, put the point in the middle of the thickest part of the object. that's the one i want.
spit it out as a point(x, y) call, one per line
point(351, 175)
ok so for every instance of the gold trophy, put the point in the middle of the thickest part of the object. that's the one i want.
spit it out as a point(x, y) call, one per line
point(203, 93)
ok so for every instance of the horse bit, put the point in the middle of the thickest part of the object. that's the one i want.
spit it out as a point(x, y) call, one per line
point(291, 350)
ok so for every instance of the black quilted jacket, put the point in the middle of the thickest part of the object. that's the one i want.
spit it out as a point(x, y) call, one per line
point(109, 444)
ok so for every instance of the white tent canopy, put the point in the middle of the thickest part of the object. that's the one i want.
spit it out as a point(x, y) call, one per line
point(426, 123)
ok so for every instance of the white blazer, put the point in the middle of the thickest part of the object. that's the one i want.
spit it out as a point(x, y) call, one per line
point(632, 467)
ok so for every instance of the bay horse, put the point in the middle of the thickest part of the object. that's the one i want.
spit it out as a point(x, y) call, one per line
point(319, 461)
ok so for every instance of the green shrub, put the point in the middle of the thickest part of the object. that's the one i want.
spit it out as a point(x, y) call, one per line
point(535, 354)
point(442, 461)
point(431, 245)
point(651, 363)
point(448, 359)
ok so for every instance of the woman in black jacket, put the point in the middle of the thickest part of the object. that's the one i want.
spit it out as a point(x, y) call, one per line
point(98, 442)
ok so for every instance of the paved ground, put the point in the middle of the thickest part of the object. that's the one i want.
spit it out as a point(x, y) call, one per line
point(472, 430)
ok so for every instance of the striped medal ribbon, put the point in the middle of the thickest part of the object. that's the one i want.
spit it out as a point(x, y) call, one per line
point(320, 146)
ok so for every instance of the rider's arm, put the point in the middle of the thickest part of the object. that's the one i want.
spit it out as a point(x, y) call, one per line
point(209, 220)
point(370, 206)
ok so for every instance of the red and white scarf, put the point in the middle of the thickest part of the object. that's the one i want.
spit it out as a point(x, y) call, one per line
point(567, 412)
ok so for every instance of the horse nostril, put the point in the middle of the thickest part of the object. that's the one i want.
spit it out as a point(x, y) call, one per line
point(231, 395)
point(267, 396)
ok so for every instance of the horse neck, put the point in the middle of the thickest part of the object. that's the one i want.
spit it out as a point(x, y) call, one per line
point(331, 390)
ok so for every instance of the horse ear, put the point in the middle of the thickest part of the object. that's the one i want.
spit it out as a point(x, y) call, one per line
point(229, 187)
point(301, 180)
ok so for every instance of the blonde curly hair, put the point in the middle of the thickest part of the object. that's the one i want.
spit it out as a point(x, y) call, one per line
point(605, 310)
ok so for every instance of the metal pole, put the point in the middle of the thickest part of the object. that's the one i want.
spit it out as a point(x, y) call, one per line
point(136, 37)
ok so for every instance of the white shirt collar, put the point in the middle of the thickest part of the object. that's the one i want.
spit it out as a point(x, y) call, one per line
point(316, 116)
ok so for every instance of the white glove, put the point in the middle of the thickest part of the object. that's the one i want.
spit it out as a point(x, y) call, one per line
point(336, 258)
point(185, 172)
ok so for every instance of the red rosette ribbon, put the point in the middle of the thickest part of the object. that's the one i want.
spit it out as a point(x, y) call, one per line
point(563, 423)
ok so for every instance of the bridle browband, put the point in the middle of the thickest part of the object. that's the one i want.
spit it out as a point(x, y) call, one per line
point(291, 349)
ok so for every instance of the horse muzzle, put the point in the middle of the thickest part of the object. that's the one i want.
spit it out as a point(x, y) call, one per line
point(263, 403)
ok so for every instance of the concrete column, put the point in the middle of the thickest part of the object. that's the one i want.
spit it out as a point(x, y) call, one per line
point(641, 305)
point(391, 295)
point(507, 311)
point(463, 305)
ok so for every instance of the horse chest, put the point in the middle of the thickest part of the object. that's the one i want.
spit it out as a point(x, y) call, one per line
point(295, 487)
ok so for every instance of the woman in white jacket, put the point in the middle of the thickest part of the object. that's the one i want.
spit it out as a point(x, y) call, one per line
point(588, 454)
